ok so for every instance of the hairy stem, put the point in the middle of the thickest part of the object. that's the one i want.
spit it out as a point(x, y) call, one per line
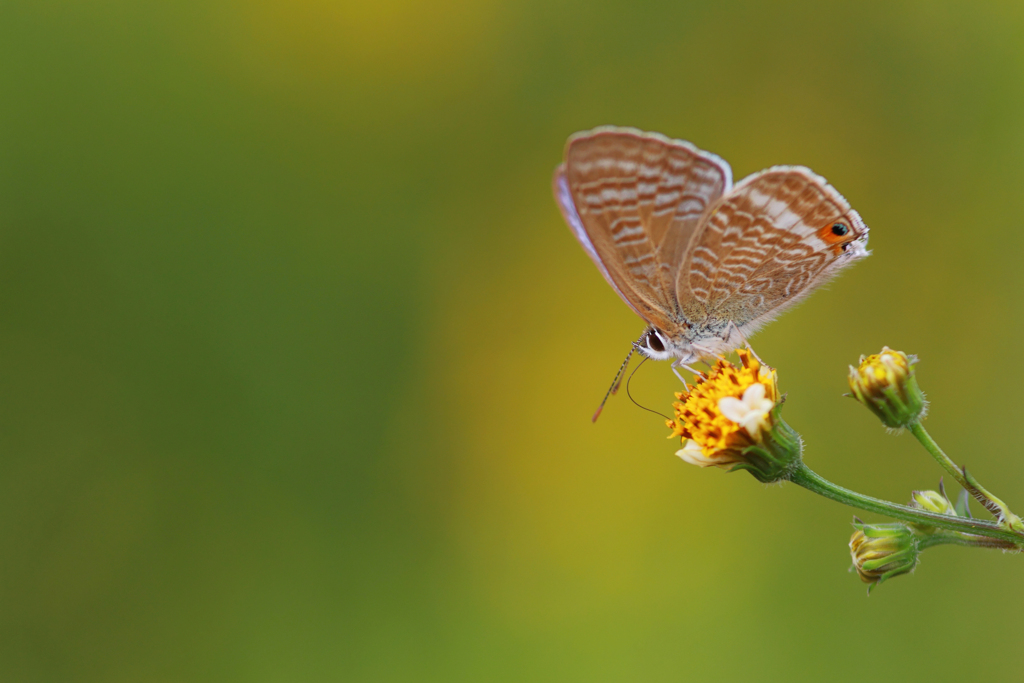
point(990, 502)
point(810, 480)
point(971, 540)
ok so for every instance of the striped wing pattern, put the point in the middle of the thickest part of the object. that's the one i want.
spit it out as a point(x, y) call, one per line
point(687, 251)
point(765, 246)
point(637, 199)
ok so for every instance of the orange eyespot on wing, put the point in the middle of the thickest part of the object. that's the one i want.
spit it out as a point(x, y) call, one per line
point(837, 235)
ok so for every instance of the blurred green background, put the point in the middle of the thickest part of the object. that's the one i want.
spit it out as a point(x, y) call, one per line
point(297, 358)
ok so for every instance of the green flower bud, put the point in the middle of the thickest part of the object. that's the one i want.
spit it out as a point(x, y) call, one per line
point(881, 551)
point(932, 501)
point(885, 383)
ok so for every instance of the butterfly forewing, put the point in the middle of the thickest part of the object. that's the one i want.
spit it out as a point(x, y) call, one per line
point(764, 246)
point(635, 200)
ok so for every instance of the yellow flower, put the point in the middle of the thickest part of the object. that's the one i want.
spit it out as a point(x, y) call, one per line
point(885, 383)
point(728, 412)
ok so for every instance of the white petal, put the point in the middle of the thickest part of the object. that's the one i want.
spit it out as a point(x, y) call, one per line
point(754, 395)
point(693, 454)
point(733, 408)
point(752, 419)
point(755, 423)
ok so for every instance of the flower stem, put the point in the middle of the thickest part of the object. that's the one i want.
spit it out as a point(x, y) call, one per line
point(970, 540)
point(802, 475)
point(918, 430)
point(970, 484)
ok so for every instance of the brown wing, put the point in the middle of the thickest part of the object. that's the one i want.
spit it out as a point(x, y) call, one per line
point(766, 245)
point(634, 200)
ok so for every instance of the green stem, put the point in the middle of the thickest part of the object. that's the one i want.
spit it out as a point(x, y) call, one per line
point(956, 538)
point(812, 481)
point(971, 485)
point(918, 430)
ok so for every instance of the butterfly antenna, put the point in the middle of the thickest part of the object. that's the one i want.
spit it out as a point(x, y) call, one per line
point(614, 388)
point(631, 395)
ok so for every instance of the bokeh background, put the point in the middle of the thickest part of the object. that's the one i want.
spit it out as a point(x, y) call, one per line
point(297, 358)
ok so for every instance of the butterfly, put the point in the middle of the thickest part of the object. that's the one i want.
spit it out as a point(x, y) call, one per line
point(703, 262)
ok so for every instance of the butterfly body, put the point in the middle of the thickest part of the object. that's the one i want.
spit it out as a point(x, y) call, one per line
point(703, 262)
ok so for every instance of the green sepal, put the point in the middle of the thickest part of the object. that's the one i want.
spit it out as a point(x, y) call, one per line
point(776, 457)
point(963, 507)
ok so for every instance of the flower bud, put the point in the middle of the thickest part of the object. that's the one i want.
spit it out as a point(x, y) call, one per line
point(881, 551)
point(932, 501)
point(730, 419)
point(885, 383)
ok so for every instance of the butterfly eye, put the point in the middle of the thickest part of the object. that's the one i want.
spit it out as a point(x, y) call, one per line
point(846, 246)
point(839, 230)
point(654, 342)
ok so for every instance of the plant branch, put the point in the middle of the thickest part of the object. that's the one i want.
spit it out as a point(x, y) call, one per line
point(804, 476)
point(997, 507)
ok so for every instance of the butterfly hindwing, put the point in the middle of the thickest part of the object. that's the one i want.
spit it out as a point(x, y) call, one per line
point(765, 245)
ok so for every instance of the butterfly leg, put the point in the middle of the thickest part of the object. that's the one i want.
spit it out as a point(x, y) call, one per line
point(678, 363)
point(685, 385)
point(733, 327)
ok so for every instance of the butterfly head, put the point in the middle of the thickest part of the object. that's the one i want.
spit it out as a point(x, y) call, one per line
point(656, 345)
